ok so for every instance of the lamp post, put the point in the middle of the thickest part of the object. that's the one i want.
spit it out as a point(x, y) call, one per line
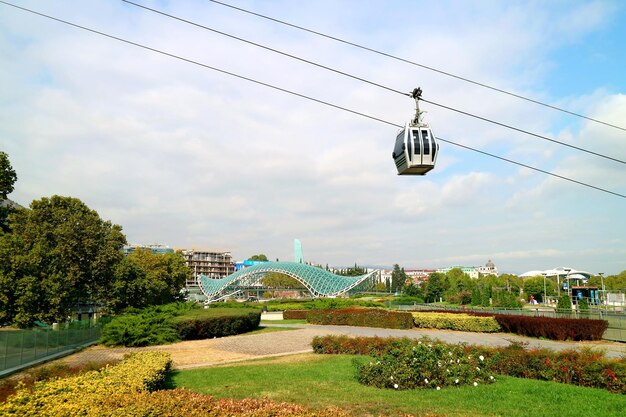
point(603, 290)
point(545, 294)
point(569, 287)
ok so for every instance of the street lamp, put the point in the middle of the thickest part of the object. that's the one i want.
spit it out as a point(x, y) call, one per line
point(603, 290)
point(545, 294)
point(569, 287)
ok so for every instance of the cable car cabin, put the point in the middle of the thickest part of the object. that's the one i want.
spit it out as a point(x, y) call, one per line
point(415, 151)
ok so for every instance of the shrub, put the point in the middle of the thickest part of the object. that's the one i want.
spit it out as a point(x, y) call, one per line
point(210, 323)
point(178, 321)
point(461, 322)
point(83, 395)
point(362, 317)
point(407, 364)
point(585, 367)
point(553, 328)
point(564, 303)
point(295, 314)
point(151, 328)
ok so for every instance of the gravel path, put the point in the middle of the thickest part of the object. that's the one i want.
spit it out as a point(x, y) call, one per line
point(201, 353)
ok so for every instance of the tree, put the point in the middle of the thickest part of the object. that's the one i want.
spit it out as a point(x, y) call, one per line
point(7, 176)
point(535, 286)
point(435, 287)
point(60, 253)
point(278, 280)
point(144, 278)
point(412, 290)
point(260, 257)
point(7, 179)
point(398, 278)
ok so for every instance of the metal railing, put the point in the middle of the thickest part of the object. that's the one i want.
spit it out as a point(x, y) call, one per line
point(615, 332)
point(20, 348)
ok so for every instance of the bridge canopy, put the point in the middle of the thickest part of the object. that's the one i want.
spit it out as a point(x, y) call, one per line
point(319, 282)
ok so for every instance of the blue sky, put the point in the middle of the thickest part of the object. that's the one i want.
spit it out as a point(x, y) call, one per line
point(188, 157)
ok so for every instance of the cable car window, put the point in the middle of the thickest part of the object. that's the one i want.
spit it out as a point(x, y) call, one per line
point(435, 148)
point(410, 147)
point(416, 141)
point(399, 148)
point(426, 142)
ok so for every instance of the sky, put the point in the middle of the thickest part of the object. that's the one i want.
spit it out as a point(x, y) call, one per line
point(186, 156)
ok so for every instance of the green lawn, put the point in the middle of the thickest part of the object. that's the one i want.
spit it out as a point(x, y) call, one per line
point(318, 381)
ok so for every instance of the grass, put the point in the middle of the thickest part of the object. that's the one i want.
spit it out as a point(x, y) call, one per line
point(319, 381)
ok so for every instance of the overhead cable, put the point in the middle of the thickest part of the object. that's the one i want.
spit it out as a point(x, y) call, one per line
point(295, 94)
point(458, 77)
point(370, 82)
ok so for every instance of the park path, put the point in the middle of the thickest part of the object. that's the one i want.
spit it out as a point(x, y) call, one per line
point(209, 352)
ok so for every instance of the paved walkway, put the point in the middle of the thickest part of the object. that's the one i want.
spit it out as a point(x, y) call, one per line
point(202, 353)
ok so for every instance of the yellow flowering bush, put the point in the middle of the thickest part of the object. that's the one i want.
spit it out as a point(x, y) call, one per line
point(84, 395)
point(462, 322)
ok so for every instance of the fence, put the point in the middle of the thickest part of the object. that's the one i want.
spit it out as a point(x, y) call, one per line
point(19, 348)
point(615, 332)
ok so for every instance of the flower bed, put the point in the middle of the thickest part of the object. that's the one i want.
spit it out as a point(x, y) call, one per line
point(584, 368)
point(461, 322)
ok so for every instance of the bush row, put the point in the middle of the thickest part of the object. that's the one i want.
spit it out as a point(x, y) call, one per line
point(295, 314)
point(82, 395)
point(461, 322)
point(547, 327)
point(362, 317)
point(194, 327)
point(553, 328)
point(171, 323)
point(585, 367)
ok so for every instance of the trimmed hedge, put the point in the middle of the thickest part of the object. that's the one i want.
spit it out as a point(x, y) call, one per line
point(83, 394)
point(362, 317)
point(295, 314)
point(461, 322)
point(553, 328)
point(209, 323)
point(172, 323)
point(586, 367)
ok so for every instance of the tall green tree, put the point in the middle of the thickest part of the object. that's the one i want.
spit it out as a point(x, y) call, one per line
point(535, 286)
point(7, 179)
point(59, 253)
point(398, 278)
point(435, 287)
point(259, 257)
point(7, 176)
point(144, 279)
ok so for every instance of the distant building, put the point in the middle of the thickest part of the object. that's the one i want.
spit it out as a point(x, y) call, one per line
point(469, 270)
point(488, 269)
point(155, 248)
point(297, 251)
point(417, 276)
point(209, 263)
